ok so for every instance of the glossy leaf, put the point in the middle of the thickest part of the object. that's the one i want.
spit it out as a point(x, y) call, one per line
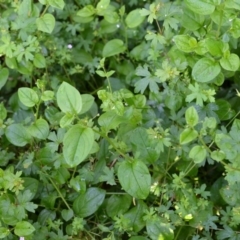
point(185, 43)
point(57, 3)
point(69, 99)
point(87, 11)
point(191, 116)
point(113, 47)
point(88, 203)
point(188, 135)
point(23, 229)
point(46, 23)
point(135, 178)
point(40, 129)
point(205, 70)
point(230, 62)
point(202, 7)
point(198, 154)
point(134, 19)
point(77, 144)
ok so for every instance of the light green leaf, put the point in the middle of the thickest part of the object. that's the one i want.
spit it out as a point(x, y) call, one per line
point(4, 232)
point(188, 135)
point(111, 17)
point(69, 99)
point(87, 11)
point(135, 178)
point(214, 46)
point(28, 96)
point(57, 3)
point(66, 120)
point(87, 102)
point(67, 214)
point(47, 95)
point(88, 203)
point(134, 19)
point(39, 129)
point(102, 5)
point(77, 144)
point(198, 154)
point(3, 77)
point(218, 155)
point(18, 135)
point(230, 62)
point(233, 4)
point(191, 116)
point(39, 61)
point(23, 229)
point(113, 47)
point(202, 7)
point(46, 23)
point(205, 70)
point(185, 43)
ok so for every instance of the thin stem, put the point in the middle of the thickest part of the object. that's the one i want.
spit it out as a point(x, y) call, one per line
point(45, 9)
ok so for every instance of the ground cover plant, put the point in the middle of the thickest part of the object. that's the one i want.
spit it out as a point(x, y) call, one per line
point(119, 119)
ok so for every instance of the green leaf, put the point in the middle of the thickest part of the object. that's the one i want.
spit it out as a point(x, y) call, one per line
point(117, 205)
point(69, 99)
point(185, 43)
point(47, 95)
point(23, 229)
point(198, 154)
point(39, 61)
point(4, 232)
point(233, 4)
point(87, 102)
point(88, 203)
point(77, 144)
point(87, 11)
point(18, 135)
point(28, 96)
point(224, 110)
point(110, 120)
point(135, 178)
point(46, 23)
point(218, 155)
point(66, 120)
point(67, 214)
point(188, 135)
point(113, 47)
point(192, 21)
point(39, 129)
point(202, 7)
point(3, 112)
point(4, 73)
point(205, 70)
point(56, 3)
point(214, 46)
point(230, 62)
point(134, 19)
point(103, 4)
point(191, 116)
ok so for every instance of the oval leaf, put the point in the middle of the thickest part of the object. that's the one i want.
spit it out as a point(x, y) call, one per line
point(134, 19)
point(46, 23)
point(185, 43)
point(69, 99)
point(28, 96)
point(39, 129)
point(205, 70)
point(57, 3)
point(198, 154)
point(88, 203)
point(191, 116)
point(39, 61)
point(23, 228)
point(17, 134)
point(202, 7)
point(77, 144)
point(135, 178)
point(230, 63)
point(113, 47)
point(3, 76)
point(188, 135)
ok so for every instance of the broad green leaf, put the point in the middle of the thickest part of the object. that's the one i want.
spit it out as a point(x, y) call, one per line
point(17, 134)
point(3, 112)
point(77, 144)
point(135, 178)
point(39, 129)
point(61, 175)
point(218, 155)
point(111, 17)
point(69, 99)
point(39, 61)
point(233, 4)
point(230, 62)
point(191, 20)
point(67, 214)
point(4, 232)
point(88, 203)
point(87, 102)
point(185, 43)
point(47, 95)
point(117, 205)
point(103, 4)
point(205, 70)
point(134, 19)
point(188, 135)
point(202, 7)
point(66, 120)
point(87, 11)
point(159, 230)
point(191, 116)
point(30, 184)
point(46, 23)
point(113, 47)
point(229, 195)
point(198, 154)
point(3, 77)
point(224, 110)
point(214, 46)
point(23, 229)
point(56, 3)
point(28, 96)
point(78, 184)
point(235, 28)
point(110, 120)
point(25, 8)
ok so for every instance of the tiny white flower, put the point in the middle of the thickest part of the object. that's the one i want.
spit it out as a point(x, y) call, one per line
point(69, 46)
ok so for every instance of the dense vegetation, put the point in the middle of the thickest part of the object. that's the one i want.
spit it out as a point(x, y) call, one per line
point(119, 119)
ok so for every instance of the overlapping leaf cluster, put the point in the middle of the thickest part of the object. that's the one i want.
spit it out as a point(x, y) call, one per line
point(119, 119)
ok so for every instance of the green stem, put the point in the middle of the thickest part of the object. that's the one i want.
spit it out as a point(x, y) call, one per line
point(45, 9)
